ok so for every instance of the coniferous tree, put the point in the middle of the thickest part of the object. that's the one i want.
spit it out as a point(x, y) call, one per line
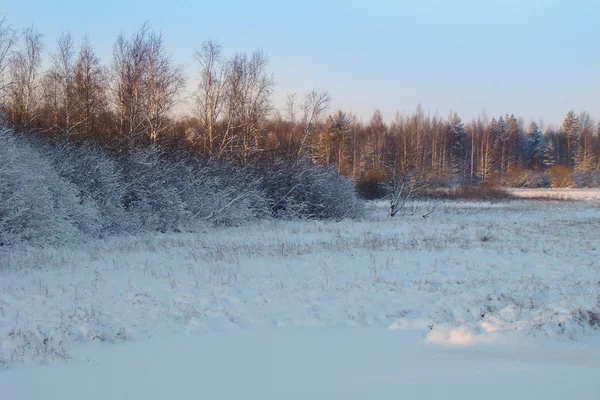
point(570, 129)
point(549, 155)
point(533, 146)
point(458, 145)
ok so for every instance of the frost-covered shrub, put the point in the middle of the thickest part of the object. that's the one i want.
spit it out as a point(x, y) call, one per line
point(236, 194)
point(179, 191)
point(151, 198)
point(537, 179)
point(301, 189)
point(98, 180)
point(218, 192)
point(37, 205)
point(56, 192)
point(587, 179)
point(330, 195)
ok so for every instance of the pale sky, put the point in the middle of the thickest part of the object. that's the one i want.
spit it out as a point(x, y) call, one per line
point(534, 58)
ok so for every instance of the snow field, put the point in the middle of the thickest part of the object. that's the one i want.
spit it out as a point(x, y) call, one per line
point(558, 194)
point(311, 363)
point(469, 275)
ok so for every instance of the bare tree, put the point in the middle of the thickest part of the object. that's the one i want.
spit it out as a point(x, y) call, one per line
point(24, 70)
point(8, 40)
point(290, 107)
point(256, 102)
point(58, 87)
point(403, 185)
point(163, 82)
point(126, 82)
point(334, 141)
point(249, 91)
point(144, 84)
point(290, 117)
point(89, 83)
point(210, 97)
point(374, 143)
point(313, 107)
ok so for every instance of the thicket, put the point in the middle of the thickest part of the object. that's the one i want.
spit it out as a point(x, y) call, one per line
point(55, 191)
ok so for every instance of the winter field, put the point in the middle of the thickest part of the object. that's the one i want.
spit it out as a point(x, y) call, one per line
point(558, 194)
point(479, 300)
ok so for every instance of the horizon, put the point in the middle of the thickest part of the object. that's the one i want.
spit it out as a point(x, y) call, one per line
point(469, 58)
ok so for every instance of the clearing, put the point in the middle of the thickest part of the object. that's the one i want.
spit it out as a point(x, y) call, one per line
point(500, 300)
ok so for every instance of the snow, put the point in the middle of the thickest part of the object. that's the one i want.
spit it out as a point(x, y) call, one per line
point(311, 363)
point(558, 194)
point(479, 300)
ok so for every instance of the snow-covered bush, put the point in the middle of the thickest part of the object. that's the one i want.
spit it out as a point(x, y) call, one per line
point(301, 189)
point(330, 195)
point(37, 205)
point(52, 192)
point(151, 197)
point(217, 192)
point(178, 191)
point(98, 180)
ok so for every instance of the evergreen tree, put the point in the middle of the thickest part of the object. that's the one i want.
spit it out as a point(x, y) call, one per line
point(458, 145)
point(513, 135)
point(570, 129)
point(533, 145)
point(500, 139)
point(549, 156)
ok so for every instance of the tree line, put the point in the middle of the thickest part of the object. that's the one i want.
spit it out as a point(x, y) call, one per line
point(129, 102)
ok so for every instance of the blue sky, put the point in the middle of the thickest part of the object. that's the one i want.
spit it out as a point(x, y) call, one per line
point(535, 58)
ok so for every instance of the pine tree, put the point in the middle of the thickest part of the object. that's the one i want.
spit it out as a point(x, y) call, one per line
point(500, 139)
point(513, 140)
point(570, 129)
point(549, 156)
point(458, 136)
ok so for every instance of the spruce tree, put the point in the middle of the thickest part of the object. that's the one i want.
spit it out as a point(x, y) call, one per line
point(533, 145)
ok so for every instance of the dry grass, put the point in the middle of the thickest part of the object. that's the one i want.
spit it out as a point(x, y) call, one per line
point(468, 193)
point(467, 263)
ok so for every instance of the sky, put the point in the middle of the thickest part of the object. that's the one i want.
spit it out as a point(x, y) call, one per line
point(537, 59)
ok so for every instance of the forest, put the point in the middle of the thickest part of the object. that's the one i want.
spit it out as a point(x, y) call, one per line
point(105, 146)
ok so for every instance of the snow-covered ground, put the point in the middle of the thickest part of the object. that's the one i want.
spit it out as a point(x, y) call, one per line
point(558, 194)
point(476, 295)
point(312, 363)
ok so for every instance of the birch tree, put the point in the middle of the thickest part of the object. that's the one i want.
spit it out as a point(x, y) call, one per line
point(8, 41)
point(58, 87)
point(211, 93)
point(163, 82)
point(89, 88)
point(24, 75)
